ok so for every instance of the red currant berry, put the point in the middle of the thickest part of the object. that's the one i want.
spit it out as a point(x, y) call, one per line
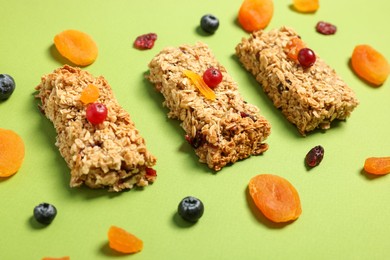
point(306, 57)
point(212, 77)
point(96, 113)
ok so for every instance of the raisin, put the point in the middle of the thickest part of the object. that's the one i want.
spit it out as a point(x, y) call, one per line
point(314, 156)
point(145, 41)
point(326, 28)
point(196, 141)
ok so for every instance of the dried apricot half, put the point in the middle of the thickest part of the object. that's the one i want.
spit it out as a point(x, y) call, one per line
point(275, 197)
point(370, 65)
point(255, 14)
point(124, 242)
point(377, 165)
point(11, 152)
point(76, 46)
point(89, 94)
point(306, 6)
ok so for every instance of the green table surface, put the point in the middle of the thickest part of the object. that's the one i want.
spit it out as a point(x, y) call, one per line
point(346, 213)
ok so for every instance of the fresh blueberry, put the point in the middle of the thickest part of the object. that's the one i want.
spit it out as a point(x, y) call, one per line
point(191, 209)
point(7, 86)
point(44, 213)
point(209, 23)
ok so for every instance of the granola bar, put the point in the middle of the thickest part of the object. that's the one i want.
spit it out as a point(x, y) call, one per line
point(110, 155)
point(221, 131)
point(309, 98)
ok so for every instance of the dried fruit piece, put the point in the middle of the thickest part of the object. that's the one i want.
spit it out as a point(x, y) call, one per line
point(145, 41)
point(293, 47)
point(89, 94)
point(96, 113)
point(275, 197)
point(255, 14)
point(56, 258)
point(122, 241)
point(306, 57)
point(200, 84)
point(377, 165)
point(212, 77)
point(306, 6)
point(370, 65)
point(78, 47)
point(326, 28)
point(314, 156)
point(11, 152)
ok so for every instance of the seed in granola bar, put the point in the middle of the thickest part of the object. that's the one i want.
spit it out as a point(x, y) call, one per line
point(191, 209)
point(306, 6)
point(212, 77)
point(314, 156)
point(45, 213)
point(306, 57)
point(89, 94)
point(326, 28)
point(209, 23)
point(7, 86)
point(370, 65)
point(96, 113)
point(145, 41)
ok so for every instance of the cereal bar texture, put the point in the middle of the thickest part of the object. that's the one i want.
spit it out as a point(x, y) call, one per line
point(309, 98)
point(221, 131)
point(110, 155)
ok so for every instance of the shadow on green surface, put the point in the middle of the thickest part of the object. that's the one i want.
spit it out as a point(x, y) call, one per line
point(180, 222)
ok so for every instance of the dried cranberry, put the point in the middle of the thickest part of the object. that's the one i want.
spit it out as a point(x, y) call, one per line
point(145, 41)
point(326, 28)
point(314, 156)
point(151, 172)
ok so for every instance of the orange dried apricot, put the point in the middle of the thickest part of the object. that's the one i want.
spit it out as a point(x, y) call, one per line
point(11, 152)
point(89, 94)
point(293, 47)
point(275, 197)
point(306, 6)
point(370, 65)
point(377, 165)
point(255, 14)
point(200, 84)
point(56, 258)
point(78, 47)
point(122, 241)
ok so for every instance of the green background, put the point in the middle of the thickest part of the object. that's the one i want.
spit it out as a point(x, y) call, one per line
point(346, 213)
